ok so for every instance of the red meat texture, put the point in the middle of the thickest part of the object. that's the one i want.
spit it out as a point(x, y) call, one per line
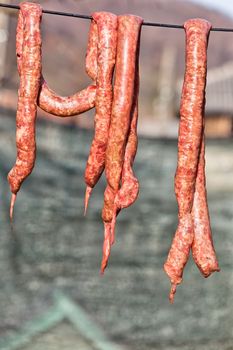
point(28, 47)
point(34, 91)
point(193, 230)
point(105, 28)
point(124, 107)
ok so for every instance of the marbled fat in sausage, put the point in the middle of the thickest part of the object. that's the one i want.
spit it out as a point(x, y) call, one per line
point(30, 73)
point(129, 27)
point(106, 56)
point(189, 145)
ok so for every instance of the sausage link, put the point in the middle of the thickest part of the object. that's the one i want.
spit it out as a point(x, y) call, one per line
point(106, 57)
point(202, 247)
point(30, 67)
point(83, 100)
point(129, 190)
point(92, 48)
point(78, 103)
point(189, 144)
point(129, 27)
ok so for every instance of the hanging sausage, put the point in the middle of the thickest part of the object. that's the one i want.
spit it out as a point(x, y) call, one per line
point(129, 27)
point(34, 90)
point(129, 189)
point(106, 24)
point(83, 100)
point(28, 46)
point(189, 178)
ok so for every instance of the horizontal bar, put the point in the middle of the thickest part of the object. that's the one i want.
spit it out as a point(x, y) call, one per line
point(149, 24)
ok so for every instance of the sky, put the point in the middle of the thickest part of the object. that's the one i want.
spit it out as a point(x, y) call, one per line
point(226, 6)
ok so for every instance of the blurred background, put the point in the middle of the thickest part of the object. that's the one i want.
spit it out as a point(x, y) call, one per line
point(51, 293)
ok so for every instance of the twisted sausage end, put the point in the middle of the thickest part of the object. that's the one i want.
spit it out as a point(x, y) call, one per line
point(87, 197)
point(12, 204)
point(106, 247)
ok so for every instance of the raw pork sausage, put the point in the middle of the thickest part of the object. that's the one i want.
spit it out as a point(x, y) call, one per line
point(129, 27)
point(28, 50)
point(83, 100)
point(92, 48)
point(29, 63)
point(202, 247)
point(106, 56)
point(129, 190)
point(68, 106)
point(189, 145)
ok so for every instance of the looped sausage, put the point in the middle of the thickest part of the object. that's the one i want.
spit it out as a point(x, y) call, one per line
point(83, 100)
point(34, 90)
point(68, 106)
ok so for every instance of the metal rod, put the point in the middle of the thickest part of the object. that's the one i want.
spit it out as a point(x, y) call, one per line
point(149, 24)
point(57, 13)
